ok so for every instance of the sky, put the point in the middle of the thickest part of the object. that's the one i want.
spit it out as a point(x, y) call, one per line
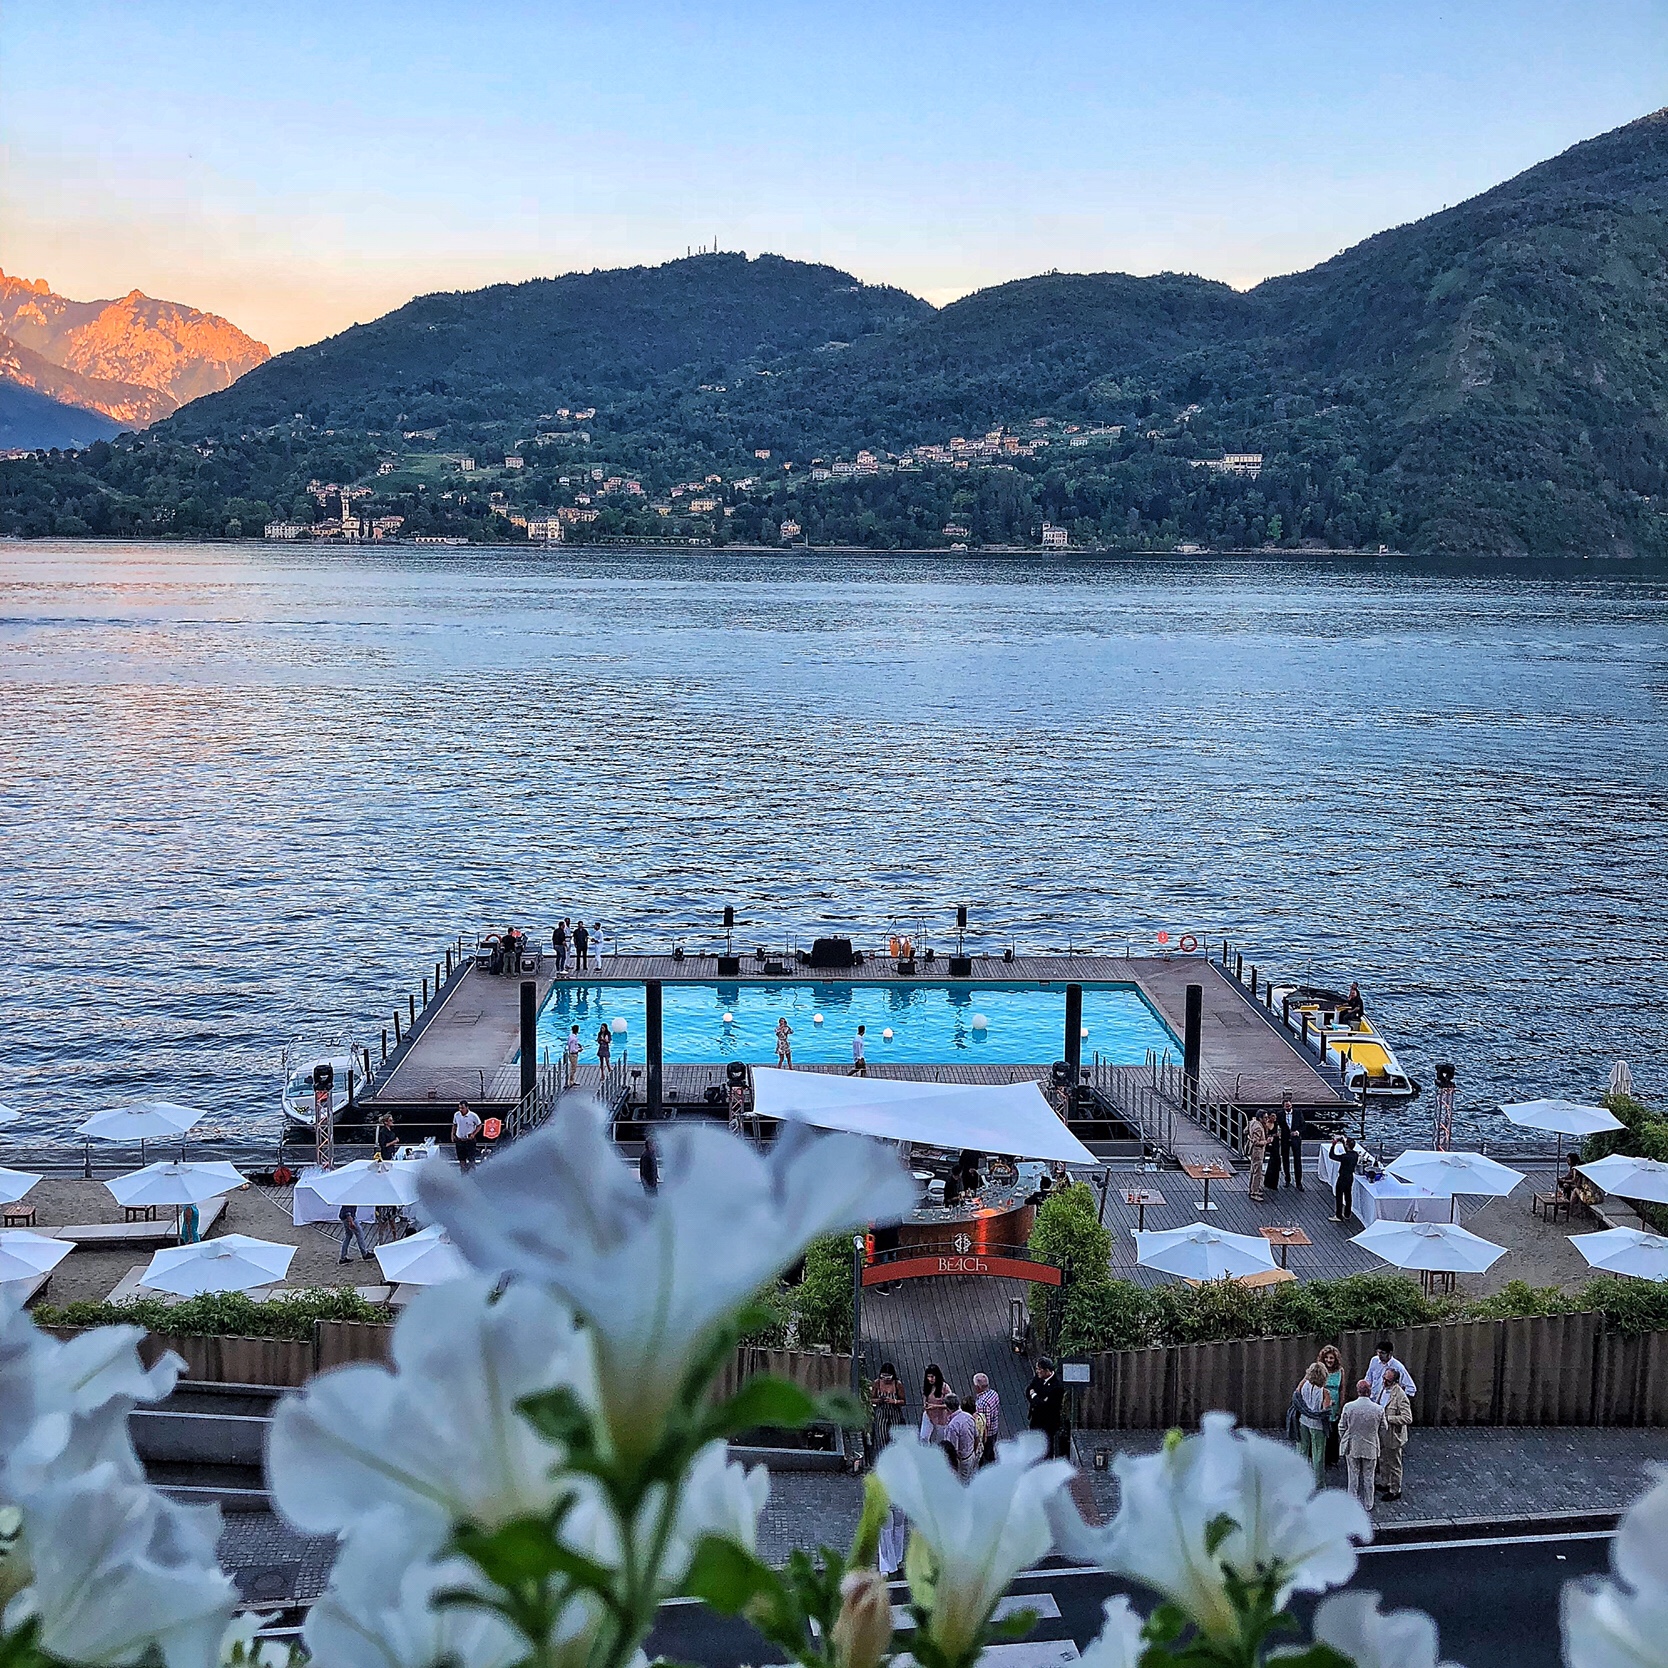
point(303, 167)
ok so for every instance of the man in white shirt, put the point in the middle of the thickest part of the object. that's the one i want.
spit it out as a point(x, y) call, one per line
point(1376, 1368)
point(859, 1066)
point(465, 1127)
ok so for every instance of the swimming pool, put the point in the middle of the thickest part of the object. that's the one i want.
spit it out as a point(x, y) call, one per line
point(918, 1024)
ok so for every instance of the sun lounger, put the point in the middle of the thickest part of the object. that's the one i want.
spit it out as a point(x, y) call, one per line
point(114, 1236)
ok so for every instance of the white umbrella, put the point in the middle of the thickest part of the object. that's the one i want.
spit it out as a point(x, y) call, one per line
point(425, 1259)
point(1566, 1117)
point(23, 1255)
point(174, 1183)
point(151, 1120)
point(1629, 1177)
point(1448, 1173)
point(366, 1182)
point(1625, 1251)
point(1430, 1247)
point(232, 1263)
point(1202, 1253)
point(9, 1115)
point(14, 1184)
point(1621, 1079)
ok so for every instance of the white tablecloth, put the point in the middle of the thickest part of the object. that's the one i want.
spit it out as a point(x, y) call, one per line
point(309, 1207)
point(1386, 1199)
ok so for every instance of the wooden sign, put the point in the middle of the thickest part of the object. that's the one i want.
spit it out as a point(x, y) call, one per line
point(955, 1264)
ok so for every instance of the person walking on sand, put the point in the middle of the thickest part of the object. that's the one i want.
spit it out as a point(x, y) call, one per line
point(348, 1216)
point(784, 1044)
point(1398, 1425)
point(1361, 1428)
point(570, 1052)
point(1256, 1152)
point(859, 1066)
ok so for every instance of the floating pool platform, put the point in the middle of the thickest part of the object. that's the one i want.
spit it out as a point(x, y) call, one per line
point(466, 1041)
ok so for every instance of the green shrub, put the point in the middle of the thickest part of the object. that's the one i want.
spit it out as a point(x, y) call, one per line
point(1517, 1298)
point(1105, 1314)
point(223, 1314)
point(1627, 1305)
point(821, 1302)
point(1644, 1134)
point(1068, 1234)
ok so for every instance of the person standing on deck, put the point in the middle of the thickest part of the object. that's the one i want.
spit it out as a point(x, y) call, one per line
point(559, 944)
point(465, 1127)
point(1256, 1152)
point(581, 948)
point(988, 1406)
point(570, 1052)
point(1291, 1130)
point(784, 1044)
point(859, 1066)
point(648, 1166)
point(1346, 1155)
point(605, 1045)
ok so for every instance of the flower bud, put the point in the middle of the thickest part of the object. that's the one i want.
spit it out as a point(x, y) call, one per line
point(863, 1629)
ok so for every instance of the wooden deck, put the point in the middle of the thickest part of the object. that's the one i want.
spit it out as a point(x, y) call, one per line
point(466, 1047)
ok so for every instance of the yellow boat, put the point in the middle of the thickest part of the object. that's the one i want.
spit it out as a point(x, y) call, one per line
point(1369, 1063)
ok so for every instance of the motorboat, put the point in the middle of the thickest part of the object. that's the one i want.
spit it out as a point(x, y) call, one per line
point(304, 1081)
point(1368, 1062)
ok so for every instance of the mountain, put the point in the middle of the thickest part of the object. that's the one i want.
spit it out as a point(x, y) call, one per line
point(135, 360)
point(1492, 378)
point(29, 419)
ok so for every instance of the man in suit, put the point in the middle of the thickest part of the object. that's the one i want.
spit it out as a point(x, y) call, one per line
point(1361, 1433)
point(1289, 1129)
point(1044, 1396)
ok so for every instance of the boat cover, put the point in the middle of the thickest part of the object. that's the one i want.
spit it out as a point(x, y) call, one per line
point(1009, 1118)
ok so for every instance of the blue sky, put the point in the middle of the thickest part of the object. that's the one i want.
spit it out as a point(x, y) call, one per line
point(302, 166)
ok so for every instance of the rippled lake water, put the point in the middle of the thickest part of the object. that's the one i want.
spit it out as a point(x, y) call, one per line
point(250, 793)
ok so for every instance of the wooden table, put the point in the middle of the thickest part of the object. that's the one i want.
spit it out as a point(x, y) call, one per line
point(1283, 1239)
point(1214, 1170)
point(1141, 1197)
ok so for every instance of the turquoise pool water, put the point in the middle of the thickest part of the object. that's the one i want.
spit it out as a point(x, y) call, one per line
point(929, 1023)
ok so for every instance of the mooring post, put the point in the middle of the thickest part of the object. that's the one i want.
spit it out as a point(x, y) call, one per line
point(411, 1007)
point(385, 1045)
point(448, 961)
point(1239, 965)
point(396, 1028)
point(653, 1041)
point(425, 990)
point(1192, 1036)
point(1073, 1055)
point(529, 1036)
point(1253, 981)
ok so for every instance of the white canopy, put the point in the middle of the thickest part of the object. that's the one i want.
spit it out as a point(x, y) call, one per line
point(150, 1120)
point(175, 1182)
point(23, 1255)
point(1561, 1117)
point(1430, 1247)
point(1009, 1118)
point(369, 1181)
point(425, 1259)
point(14, 1184)
point(1625, 1251)
point(1629, 1177)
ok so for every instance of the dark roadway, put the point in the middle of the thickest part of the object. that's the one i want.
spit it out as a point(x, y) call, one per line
point(1495, 1602)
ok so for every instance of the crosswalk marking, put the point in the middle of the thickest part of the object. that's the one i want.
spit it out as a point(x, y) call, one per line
point(1044, 1604)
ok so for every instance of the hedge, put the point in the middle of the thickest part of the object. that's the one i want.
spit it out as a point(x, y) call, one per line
point(222, 1314)
point(1644, 1134)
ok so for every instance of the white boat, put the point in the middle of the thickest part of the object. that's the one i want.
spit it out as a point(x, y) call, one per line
point(1369, 1063)
point(301, 1091)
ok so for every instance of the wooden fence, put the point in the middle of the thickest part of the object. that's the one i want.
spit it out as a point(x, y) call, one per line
point(1538, 1370)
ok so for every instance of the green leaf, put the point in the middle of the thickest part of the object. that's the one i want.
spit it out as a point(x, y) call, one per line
point(1013, 1626)
point(726, 1577)
point(1217, 1531)
point(19, 1650)
point(840, 1407)
point(772, 1403)
point(1166, 1624)
point(1315, 1655)
point(877, 1506)
point(559, 1416)
point(519, 1552)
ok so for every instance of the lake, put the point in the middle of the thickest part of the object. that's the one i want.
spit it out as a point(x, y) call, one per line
point(251, 792)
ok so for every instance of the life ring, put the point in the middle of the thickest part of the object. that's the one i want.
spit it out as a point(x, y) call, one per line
point(1188, 944)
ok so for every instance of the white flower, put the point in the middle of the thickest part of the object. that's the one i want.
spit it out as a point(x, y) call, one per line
point(379, 1613)
point(115, 1569)
point(439, 1436)
point(1119, 1643)
point(654, 1275)
point(64, 1406)
point(1171, 1500)
point(1352, 1624)
point(863, 1630)
point(981, 1534)
point(719, 1498)
point(1624, 1623)
point(240, 1643)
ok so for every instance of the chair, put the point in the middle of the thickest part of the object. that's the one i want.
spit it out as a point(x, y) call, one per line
point(138, 1213)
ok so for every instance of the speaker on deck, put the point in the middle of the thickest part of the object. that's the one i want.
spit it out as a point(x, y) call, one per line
point(729, 966)
point(961, 967)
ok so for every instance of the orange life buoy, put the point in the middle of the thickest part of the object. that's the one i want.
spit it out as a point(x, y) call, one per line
point(1188, 944)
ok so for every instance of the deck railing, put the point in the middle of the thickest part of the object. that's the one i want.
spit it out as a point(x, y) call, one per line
point(536, 1105)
